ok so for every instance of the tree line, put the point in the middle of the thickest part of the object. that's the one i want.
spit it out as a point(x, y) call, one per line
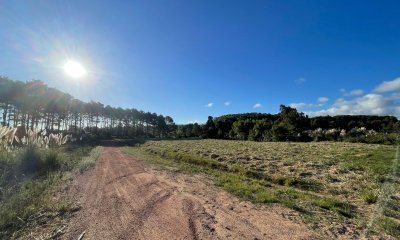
point(36, 106)
point(291, 125)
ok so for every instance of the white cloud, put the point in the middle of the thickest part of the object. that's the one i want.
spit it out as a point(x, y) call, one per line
point(210, 104)
point(388, 86)
point(379, 102)
point(300, 80)
point(323, 99)
point(302, 105)
point(298, 105)
point(257, 105)
point(227, 103)
point(369, 104)
point(355, 92)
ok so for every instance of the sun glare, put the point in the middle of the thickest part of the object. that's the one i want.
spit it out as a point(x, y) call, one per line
point(74, 69)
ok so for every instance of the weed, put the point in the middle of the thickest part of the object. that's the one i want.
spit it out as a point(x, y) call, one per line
point(369, 197)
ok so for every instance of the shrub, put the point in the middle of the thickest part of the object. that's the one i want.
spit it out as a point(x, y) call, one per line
point(377, 138)
point(34, 160)
point(52, 160)
point(31, 160)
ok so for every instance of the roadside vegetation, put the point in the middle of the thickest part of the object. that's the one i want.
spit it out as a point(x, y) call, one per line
point(31, 170)
point(336, 186)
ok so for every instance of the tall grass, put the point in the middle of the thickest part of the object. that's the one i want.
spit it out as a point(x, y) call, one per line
point(11, 138)
point(89, 161)
point(28, 177)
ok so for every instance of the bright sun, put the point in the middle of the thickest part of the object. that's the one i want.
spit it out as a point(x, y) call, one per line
point(74, 69)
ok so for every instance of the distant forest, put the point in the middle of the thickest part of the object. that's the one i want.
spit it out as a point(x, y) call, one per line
point(291, 125)
point(36, 106)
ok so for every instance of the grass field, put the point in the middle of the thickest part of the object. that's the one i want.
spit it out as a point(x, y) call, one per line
point(340, 189)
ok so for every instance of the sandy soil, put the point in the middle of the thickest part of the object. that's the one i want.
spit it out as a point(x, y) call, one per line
point(121, 198)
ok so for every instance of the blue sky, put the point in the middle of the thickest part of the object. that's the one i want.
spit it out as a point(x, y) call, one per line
point(192, 59)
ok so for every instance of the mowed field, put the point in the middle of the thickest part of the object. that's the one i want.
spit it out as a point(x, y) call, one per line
point(341, 190)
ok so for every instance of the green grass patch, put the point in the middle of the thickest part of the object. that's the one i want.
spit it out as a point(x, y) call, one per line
point(390, 226)
point(369, 197)
point(240, 186)
point(305, 184)
point(391, 213)
point(332, 204)
point(89, 161)
point(378, 162)
point(192, 159)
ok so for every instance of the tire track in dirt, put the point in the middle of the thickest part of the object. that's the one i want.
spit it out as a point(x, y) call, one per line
point(121, 198)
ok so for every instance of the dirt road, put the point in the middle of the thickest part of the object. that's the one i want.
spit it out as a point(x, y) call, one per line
point(121, 198)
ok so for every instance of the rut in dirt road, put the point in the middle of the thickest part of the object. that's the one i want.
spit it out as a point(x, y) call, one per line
point(123, 199)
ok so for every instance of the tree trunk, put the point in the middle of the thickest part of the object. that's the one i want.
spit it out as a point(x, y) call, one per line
point(5, 111)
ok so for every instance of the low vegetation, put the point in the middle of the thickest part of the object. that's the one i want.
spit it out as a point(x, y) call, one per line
point(30, 172)
point(335, 185)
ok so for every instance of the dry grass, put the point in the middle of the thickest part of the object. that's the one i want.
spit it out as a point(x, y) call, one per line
point(334, 184)
point(10, 138)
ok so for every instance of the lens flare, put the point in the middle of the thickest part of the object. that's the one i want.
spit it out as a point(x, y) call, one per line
point(74, 69)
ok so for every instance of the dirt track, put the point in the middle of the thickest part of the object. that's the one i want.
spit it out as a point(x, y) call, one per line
point(123, 199)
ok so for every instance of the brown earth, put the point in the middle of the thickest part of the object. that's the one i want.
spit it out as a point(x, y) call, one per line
point(121, 198)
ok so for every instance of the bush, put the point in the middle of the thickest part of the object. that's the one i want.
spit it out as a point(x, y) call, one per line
point(31, 160)
point(378, 138)
point(34, 160)
point(51, 160)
